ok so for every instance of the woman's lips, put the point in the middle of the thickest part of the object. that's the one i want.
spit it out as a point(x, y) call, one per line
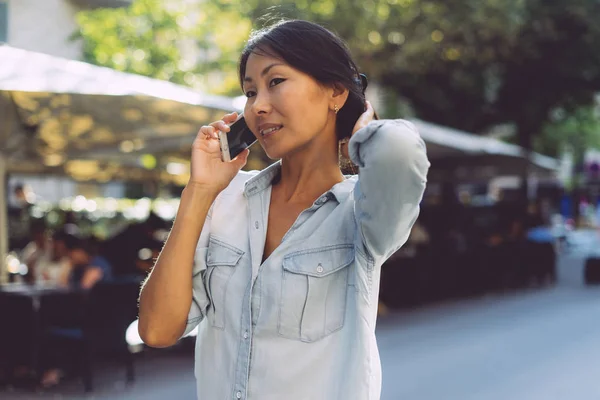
point(270, 131)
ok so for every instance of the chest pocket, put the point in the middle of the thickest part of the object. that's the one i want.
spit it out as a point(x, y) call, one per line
point(221, 260)
point(314, 292)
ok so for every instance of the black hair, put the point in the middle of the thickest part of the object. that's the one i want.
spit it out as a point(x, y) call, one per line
point(88, 244)
point(38, 225)
point(318, 52)
point(60, 235)
point(73, 242)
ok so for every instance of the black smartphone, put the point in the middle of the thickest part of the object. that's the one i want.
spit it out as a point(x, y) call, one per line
point(238, 138)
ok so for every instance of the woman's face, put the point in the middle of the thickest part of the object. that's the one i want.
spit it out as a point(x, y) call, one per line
point(287, 110)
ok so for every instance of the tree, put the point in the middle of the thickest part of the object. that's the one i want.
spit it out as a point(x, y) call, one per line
point(572, 132)
point(191, 43)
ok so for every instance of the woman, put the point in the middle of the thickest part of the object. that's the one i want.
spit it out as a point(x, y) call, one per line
point(287, 260)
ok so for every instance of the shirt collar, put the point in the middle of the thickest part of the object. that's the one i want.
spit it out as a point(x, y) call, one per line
point(264, 178)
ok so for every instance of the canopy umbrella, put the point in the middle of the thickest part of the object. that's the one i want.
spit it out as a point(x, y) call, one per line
point(458, 155)
point(70, 117)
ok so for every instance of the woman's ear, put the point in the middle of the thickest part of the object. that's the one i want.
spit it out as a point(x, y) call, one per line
point(339, 95)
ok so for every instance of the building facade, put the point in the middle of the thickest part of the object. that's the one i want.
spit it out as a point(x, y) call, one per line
point(46, 25)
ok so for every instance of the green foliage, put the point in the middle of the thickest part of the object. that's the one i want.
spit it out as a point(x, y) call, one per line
point(195, 44)
point(574, 131)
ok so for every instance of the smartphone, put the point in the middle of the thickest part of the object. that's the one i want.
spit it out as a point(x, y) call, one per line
point(239, 138)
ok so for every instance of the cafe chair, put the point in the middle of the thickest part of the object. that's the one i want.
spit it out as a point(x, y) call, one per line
point(108, 309)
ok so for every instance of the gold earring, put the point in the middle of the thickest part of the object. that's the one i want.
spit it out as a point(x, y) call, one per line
point(336, 108)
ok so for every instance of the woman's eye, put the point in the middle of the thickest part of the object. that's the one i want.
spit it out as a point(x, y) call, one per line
point(250, 93)
point(276, 81)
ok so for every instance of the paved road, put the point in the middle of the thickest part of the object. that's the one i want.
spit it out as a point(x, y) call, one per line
point(535, 345)
point(540, 344)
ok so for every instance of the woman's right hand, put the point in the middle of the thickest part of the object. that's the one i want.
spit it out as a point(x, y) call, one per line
point(207, 169)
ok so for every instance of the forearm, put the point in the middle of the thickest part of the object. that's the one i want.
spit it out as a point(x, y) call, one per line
point(166, 295)
point(393, 173)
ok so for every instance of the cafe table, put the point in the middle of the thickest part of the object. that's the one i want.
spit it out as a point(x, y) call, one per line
point(21, 309)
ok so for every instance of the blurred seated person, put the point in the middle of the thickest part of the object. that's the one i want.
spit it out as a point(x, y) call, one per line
point(58, 263)
point(87, 267)
point(47, 258)
point(36, 252)
point(133, 250)
point(534, 218)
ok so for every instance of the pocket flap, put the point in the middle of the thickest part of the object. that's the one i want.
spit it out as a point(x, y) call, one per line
point(319, 262)
point(199, 260)
point(220, 253)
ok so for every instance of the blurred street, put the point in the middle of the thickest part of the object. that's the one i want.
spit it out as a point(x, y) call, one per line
point(539, 344)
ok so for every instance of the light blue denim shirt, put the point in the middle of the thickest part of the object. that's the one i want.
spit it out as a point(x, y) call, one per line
point(301, 325)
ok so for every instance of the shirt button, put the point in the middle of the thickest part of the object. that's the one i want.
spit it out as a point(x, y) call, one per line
point(238, 395)
point(256, 224)
point(319, 268)
point(246, 335)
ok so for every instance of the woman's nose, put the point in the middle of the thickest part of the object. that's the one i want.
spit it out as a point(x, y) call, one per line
point(261, 104)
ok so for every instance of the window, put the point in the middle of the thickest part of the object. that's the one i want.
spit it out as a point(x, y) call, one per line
point(3, 21)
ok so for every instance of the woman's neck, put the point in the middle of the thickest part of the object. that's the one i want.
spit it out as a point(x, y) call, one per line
point(307, 175)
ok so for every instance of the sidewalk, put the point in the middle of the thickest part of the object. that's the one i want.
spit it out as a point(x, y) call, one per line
point(160, 375)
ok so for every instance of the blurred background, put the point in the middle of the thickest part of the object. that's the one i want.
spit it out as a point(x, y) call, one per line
point(493, 297)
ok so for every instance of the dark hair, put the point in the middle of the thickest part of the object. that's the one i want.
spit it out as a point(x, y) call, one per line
point(60, 235)
point(89, 244)
point(73, 242)
point(37, 226)
point(318, 52)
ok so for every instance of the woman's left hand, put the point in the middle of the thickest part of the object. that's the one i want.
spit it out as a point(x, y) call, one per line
point(363, 121)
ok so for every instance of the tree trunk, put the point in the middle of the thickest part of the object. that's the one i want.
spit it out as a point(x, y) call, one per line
point(577, 187)
point(525, 134)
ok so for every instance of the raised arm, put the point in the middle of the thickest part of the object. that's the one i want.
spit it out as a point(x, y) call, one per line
point(393, 169)
point(167, 294)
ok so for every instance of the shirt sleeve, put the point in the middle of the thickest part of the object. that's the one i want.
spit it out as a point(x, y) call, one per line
point(393, 166)
point(200, 299)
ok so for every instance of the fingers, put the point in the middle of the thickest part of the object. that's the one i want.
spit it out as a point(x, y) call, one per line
point(241, 159)
point(365, 118)
point(207, 132)
point(369, 112)
point(210, 131)
point(220, 126)
point(229, 118)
